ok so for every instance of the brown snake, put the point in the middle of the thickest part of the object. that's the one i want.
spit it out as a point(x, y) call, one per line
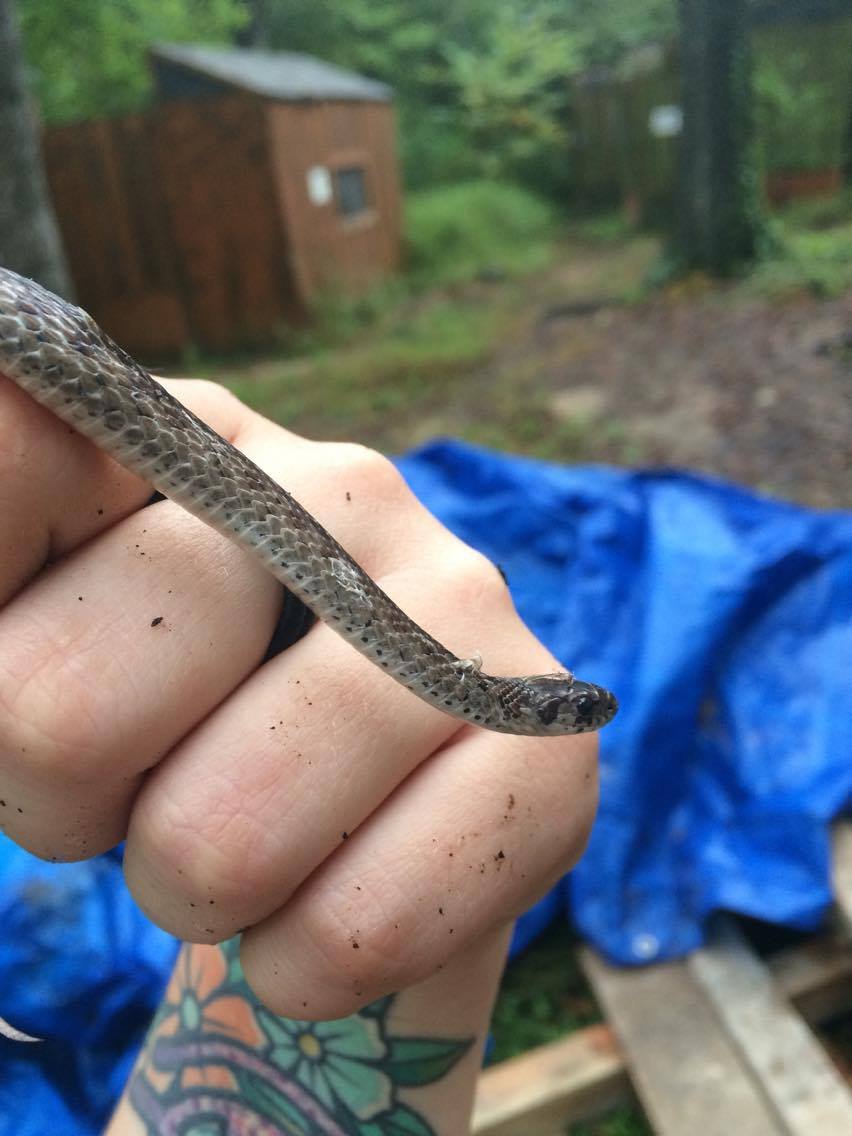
point(57, 353)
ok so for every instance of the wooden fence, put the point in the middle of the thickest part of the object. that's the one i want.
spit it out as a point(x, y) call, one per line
point(803, 109)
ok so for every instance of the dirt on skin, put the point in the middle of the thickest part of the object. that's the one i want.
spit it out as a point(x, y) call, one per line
point(701, 376)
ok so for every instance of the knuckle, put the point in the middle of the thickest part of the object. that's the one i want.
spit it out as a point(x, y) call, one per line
point(216, 859)
point(215, 404)
point(369, 943)
point(213, 393)
point(366, 470)
point(475, 580)
point(55, 727)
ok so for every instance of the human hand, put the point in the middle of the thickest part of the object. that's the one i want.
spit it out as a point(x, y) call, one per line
point(363, 838)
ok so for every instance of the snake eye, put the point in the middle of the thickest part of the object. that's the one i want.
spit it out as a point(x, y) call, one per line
point(585, 705)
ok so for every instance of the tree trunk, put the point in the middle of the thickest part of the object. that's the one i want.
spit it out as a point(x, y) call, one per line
point(718, 219)
point(29, 237)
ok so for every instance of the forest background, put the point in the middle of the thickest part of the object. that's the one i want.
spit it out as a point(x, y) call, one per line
point(484, 88)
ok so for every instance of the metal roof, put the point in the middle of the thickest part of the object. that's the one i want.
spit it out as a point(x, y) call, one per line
point(273, 74)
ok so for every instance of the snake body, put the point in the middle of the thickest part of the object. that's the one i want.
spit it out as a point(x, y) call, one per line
point(57, 353)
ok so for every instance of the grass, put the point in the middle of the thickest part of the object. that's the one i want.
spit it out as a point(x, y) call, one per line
point(385, 367)
point(542, 997)
point(403, 369)
point(620, 1122)
point(818, 261)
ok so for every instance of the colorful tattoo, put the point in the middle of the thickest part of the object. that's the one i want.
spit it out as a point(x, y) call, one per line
point(219, 1064)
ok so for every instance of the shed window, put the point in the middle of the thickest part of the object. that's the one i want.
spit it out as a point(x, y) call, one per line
point(351, 191)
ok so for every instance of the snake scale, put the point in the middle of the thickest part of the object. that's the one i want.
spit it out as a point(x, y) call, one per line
point(56, 352)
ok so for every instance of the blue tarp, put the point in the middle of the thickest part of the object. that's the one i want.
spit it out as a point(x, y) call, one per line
point(723, 621)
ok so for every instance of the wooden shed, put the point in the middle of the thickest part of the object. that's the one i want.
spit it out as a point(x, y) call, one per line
point(256, 183)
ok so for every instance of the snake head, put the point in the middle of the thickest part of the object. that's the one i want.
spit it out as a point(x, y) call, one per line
point(561, 704)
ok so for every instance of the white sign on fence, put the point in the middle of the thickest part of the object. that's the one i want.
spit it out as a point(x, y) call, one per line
point(665, 121)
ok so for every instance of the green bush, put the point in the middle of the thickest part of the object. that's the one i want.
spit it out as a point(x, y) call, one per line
point(819, 213)
point(801, 80)
point(812, 251)
point(457, 232)
point(433, 149)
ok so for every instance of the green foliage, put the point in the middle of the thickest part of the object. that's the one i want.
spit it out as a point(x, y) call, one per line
point(482, 88)
point(818, 213)
point(605, 29)
point(816, 259)
point(805, 249)
point(543, 996)
point(399, 41)
point(621, 1122)
point(88, 57)
point(513, 94)
point(455, 232)
point(803, 77)
point(434, 149)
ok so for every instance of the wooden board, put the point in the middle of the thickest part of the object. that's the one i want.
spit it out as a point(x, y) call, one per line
point(586, 1073)
point(683, 1028)
point(816, 976)
point(685, 1066)
point(540, 1092)
point(806, 1092)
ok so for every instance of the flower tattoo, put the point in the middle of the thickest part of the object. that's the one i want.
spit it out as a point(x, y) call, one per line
point(220, 1064)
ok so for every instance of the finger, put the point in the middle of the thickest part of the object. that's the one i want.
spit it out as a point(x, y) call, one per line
point(74, 745)
point(463, 846)
point(131, 638)
point(268, 787)
point(58, 490)
point(107, 660)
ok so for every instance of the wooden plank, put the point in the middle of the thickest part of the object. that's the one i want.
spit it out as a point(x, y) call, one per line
point(538, 1093)
point(541, 1092)
point(842, 871)
point(585, 1073)
point(816, 976)
point(685, 1067)
point(796, 1075)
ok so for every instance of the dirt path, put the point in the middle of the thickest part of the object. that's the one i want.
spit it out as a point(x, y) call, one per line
point(753, 391)
point(561, 366)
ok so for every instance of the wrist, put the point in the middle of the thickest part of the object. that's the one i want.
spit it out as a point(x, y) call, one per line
point(214, 1049)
